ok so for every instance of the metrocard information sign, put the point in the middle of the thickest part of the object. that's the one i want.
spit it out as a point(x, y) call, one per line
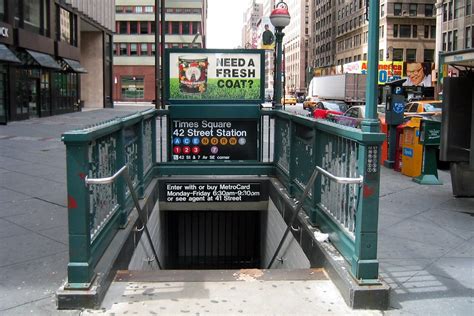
point(208, 75)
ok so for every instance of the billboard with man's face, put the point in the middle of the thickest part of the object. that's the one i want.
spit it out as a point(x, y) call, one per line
point(267, 34)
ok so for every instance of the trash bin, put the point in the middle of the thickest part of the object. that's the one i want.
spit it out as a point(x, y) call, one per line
point(430, 137)
point(412, 150)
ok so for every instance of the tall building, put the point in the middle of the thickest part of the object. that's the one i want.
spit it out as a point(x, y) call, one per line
point(250, 26)
point(407, 31)
point(55, 56)
point(295, 47)
point(134, 43)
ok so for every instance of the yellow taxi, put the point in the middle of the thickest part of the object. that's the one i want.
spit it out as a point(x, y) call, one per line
point(310, 103)
point(424, 107)
point(288, 99)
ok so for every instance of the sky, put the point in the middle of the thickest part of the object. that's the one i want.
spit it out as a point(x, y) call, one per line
point(224, 23)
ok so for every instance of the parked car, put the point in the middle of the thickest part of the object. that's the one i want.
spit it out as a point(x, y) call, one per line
point(288, 99)
point(354, 115)
point(425, 108)
point(310, 102)
point(325, 108)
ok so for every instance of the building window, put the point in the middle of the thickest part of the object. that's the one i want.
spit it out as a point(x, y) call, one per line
point(450, 40)
point(133, 27)
point(455, 40)
point(32, 16)
point(67, 27)
point(468, 8)
point(397, 54)
point(450, 10)
point(123, 49)
point(118, 9)
point(128, 9)
point(433, 31)
point(186, 27)
point(411, 55)
point(395, 30)
point(429, 10)
point(382, 10)
point(123, 27)
point(468, 36)
point(149, 9)
point(397, 9)
point(405, 31)
point(380, 54)
point(365, 56)
point(174, 27)
point(444, 42)
point(133, 49)
point(152, 27)
point(427, 31)
point(144, 27)
point(458, 8)
point(2, 10)
point(196, 27)
point(413, 8)
point(153, 49)
point(132, 87)
point(428, 55)
point(445, 12)
point(138, 9)
point(144, 49)
point(115, 49)
point(414, 31)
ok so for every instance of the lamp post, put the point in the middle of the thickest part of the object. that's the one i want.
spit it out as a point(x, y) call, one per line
point(280, 18)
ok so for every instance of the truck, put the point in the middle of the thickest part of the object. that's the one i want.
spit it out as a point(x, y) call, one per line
point(349, 88)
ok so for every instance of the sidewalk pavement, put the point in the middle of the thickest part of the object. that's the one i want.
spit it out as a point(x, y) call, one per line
point(426, 236)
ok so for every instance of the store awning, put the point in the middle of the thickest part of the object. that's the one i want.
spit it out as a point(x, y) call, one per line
point(6, 55)
point(44, 60)
point(74, 65)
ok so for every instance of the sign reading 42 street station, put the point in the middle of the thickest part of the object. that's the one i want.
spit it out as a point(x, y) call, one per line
point(213, 140)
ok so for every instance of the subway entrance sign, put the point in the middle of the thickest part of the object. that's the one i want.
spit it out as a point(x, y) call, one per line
point(214, 101)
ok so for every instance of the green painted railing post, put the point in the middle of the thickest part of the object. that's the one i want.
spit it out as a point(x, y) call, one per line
point(364, 265)
point(80, 272)
point(141, 167)
point(121, 189)
point(154, 139)
point(291, 159)
point(318, 151)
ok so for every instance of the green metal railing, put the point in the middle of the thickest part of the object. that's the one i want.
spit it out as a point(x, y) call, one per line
point(96, 212)
point(291, 147)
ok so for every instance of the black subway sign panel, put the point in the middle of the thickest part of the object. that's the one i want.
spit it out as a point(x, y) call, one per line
point(213, 192)
point(214, 140)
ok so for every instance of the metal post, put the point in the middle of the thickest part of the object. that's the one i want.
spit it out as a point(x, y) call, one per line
point(162, 52)
point(157, 55)
point(371, 123)
point(277, 84)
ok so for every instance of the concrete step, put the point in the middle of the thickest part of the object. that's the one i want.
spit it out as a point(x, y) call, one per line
point(225, 292)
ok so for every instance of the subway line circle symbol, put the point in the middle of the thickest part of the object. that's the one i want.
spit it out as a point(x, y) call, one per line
point(176, 150)
point(195, 140)
point(186, 150)
point(214, 141)
point(232, 141)
point(196, 150)
point(186, 141)
point(223, 141)
point(214, 150)
point(205, 141)
point(242, 141)
point(177, 141)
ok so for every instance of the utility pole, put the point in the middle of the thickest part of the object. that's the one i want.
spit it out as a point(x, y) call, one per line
point(162, 53)
point(157, 56)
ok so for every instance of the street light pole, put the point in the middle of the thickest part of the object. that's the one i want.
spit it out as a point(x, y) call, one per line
point(280, 18)
point(157, 54)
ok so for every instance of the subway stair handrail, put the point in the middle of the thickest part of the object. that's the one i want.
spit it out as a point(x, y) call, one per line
point(143, 218)
point(303, 196)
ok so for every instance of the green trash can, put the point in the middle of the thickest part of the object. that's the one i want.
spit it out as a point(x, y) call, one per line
point(430, 137)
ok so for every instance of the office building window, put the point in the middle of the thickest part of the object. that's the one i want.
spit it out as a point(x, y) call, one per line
point(397, 54)
point(365, 56)
point(186, 27)
point(123, 27)
point(123, 49)
point(397, 9)
point(382, 10)
point(395, 30)
point(444, 42)
point(450, 10)
point(2, 10)
point(450, 41)
point(428, 55)
point(116, 49)
point(144, 49)
point(67, 25)
point(413, 9)
point(149, 9)
point(174, 27)
point(468, 7)
point(34, 15)
point(411, 55)
point(153, 49)
point(138, 9)
point(133, 49)
point(445, 12)
point(414, 31)
point(455, 40)
point(144, 27)
point(458, 7)
point(196, 27)
point(128, 9)
point(429, 10)
point(133, 27)
point(427, 31)
point(405, 30)
point(152, 27)
point(380, 54)
point(433, 31)
point(468, 36)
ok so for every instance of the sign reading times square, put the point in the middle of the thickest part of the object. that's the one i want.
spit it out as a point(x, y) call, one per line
point(214, 140)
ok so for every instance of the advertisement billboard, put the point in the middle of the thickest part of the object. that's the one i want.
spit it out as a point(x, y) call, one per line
point(231, 76)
